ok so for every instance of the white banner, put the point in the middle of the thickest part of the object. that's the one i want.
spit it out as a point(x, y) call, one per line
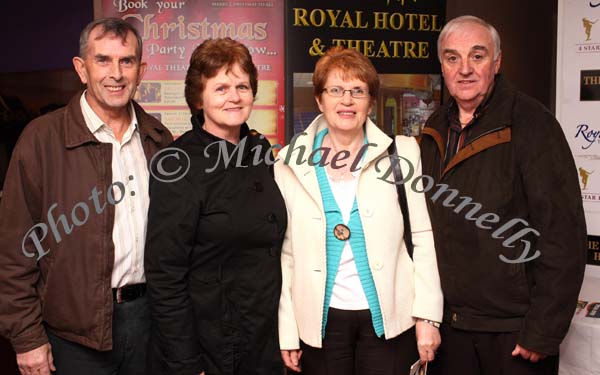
point(578, 97)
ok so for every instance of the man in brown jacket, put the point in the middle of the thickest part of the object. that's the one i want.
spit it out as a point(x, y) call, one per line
point(73, 220)
point(507, 215)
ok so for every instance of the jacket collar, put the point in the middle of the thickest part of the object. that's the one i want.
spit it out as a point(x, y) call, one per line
point(495, 112)
point(296, 154)
point(77, 132)
point(207, 138)
point(493, 124)
point(198, 126)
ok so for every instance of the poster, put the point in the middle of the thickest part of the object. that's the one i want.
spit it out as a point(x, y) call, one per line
point(172, 29)
point(578, 102)
point(398, 36)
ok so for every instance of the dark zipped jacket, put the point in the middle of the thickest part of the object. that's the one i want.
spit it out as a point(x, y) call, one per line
point(515, 185)
point(212, 258)
point(56, 170)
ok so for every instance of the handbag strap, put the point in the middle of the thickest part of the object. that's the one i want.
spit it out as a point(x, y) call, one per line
point(394, 162)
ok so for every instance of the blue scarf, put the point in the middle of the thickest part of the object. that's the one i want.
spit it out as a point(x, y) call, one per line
point(334, 247)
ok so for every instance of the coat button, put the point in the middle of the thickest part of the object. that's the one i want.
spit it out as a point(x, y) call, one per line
point(258, 186)
point(454, 317)
point(273, 251)
point(271, 217)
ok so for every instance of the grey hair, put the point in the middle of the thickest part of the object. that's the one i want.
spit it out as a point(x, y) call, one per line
point(455, 23)
point(112, 25)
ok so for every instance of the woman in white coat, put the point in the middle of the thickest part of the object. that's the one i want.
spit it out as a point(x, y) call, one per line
point(352, 300)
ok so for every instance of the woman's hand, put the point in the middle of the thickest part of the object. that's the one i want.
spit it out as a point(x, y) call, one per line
point(428, 340)
point(291, 358)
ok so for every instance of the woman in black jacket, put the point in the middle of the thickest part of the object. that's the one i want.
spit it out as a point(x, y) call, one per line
point(215, 227)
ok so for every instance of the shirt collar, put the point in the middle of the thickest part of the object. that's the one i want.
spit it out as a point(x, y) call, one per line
point(94, 123)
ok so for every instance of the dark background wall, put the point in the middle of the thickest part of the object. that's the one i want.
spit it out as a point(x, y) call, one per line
point(39, 39)
point(41, 35)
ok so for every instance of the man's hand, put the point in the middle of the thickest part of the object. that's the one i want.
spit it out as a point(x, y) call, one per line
point(527, 354)
point(291, 358)
point(38, 361)
point(428, 340)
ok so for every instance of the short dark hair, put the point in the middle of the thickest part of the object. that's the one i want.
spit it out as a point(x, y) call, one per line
point(111, 25)
point(208, 59)
point(352, 64)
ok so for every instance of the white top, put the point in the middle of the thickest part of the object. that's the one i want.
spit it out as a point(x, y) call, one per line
point(347, 293)
point(129, 167)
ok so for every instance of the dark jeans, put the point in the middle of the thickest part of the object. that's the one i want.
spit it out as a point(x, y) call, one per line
point(131, 328)
point(484, 353)
point(351, 347)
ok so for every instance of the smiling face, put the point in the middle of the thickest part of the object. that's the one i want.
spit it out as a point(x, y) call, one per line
point(345, 113)
point(227, 100)
point(468, 64)
point(111, 70)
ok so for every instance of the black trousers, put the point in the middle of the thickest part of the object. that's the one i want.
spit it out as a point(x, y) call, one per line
point(131, 329)
point(484, 353)
point(351, 347)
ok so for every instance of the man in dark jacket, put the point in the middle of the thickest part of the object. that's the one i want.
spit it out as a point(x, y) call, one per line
point(73, 220)
point(507, 215)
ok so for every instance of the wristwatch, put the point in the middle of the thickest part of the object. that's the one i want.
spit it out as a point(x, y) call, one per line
point(435, 324)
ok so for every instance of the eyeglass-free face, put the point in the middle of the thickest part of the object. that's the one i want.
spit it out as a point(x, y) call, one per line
point(112, 71)
point(227, 101)
point(468, 64)
point(345, 112)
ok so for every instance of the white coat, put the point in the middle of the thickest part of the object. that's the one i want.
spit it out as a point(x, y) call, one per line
point(407, 289)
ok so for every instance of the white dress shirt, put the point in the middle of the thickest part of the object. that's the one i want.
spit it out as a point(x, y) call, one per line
point(129, 167)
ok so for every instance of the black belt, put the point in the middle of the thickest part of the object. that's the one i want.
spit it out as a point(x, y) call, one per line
point(128, 292)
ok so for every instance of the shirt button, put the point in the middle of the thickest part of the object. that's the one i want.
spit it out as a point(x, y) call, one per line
point(454, 317)
point(377, 265)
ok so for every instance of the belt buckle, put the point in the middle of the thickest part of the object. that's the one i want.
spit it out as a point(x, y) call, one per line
point(119, 300)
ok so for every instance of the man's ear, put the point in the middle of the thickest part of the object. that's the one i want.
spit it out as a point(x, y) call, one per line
point(498, 63)
point(79, 65)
